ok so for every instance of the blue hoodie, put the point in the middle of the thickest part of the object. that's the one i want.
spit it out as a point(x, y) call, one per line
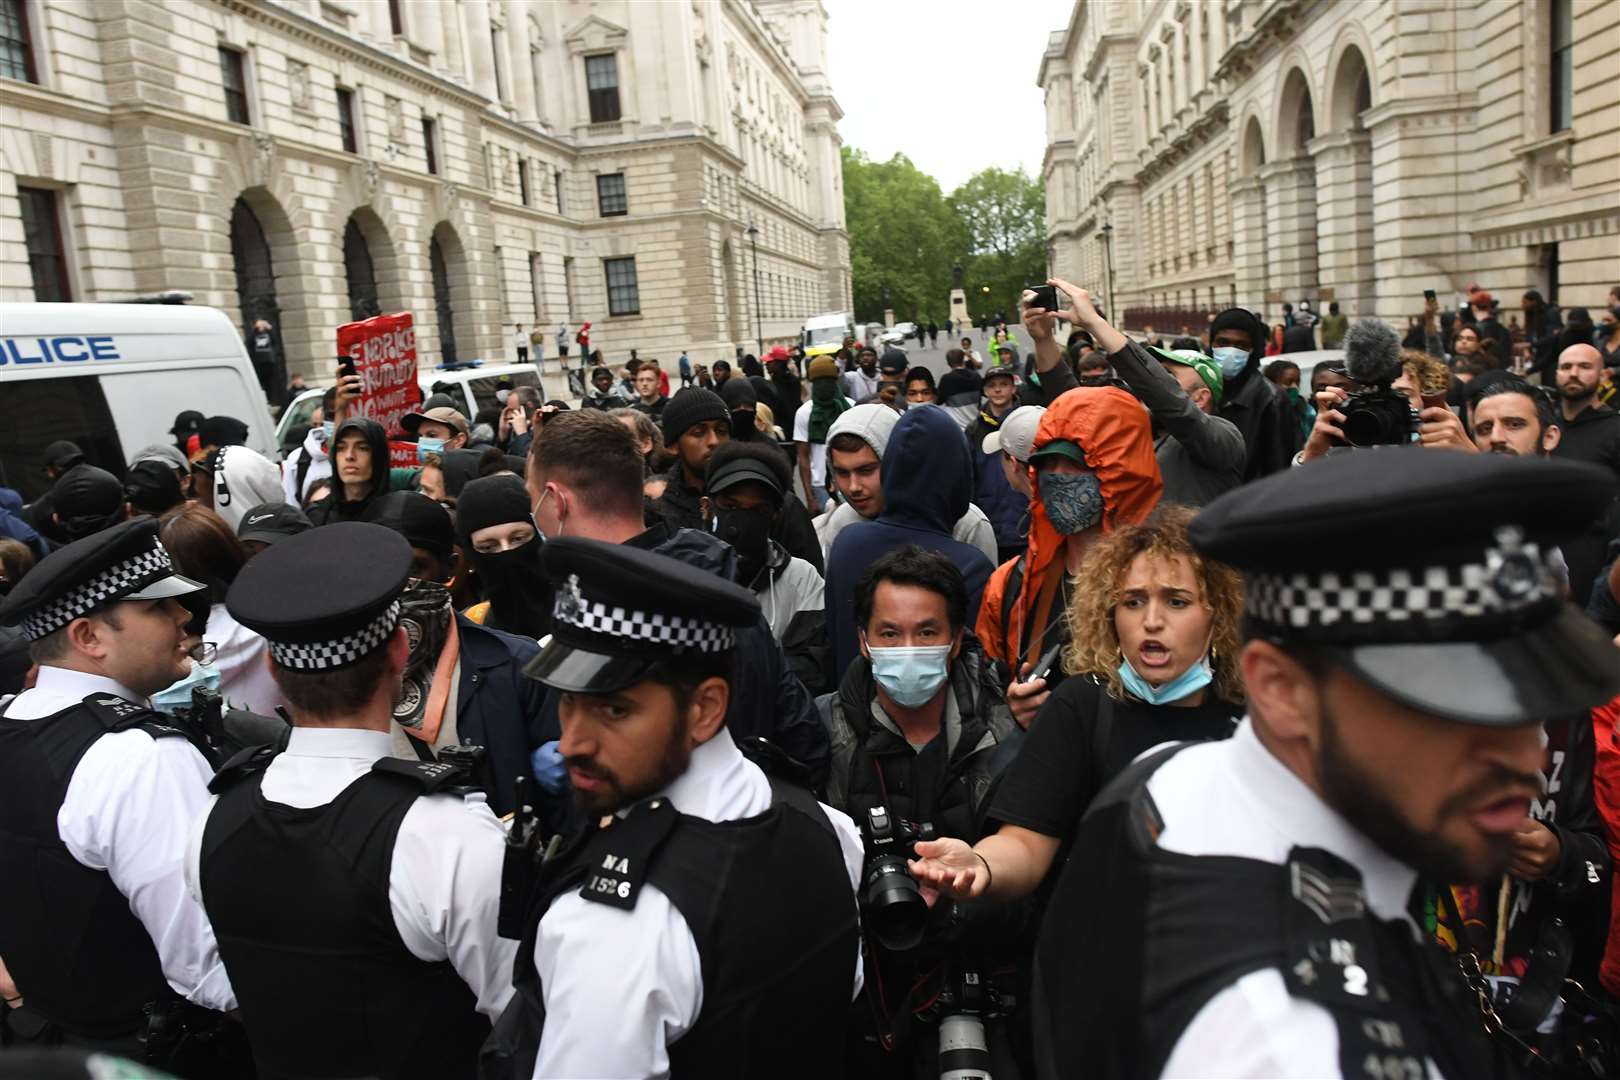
point(13, 526)
point(927, 485)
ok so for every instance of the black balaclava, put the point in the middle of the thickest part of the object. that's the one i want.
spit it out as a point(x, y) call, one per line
point(741, 402)
point(519, 593)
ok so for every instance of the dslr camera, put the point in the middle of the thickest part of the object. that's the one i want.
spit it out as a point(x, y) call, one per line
point(892, 905)
point(1377, 414)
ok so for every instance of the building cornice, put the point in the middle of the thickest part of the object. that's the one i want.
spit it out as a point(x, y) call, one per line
point(1278, 25)
point(1107, 44)
point(1206, 126)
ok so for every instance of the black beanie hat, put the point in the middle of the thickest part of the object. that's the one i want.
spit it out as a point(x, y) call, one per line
point(420, 520)
point(738, 394)
point(87, 500)
point(490, 500)
point(694, 405)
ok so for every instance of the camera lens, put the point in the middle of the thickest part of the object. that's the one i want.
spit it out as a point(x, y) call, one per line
point(895, 910)
point(1364, 427)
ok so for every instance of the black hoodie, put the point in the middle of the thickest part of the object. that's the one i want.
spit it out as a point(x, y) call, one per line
point(1249, 402)
point(335, 507)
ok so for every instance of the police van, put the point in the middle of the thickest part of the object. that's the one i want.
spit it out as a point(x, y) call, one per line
point(112, 378)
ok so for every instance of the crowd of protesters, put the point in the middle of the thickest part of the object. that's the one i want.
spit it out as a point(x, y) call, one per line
point(971, 601)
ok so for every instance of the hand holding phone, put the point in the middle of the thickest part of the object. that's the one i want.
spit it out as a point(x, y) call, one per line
point(1041, 296)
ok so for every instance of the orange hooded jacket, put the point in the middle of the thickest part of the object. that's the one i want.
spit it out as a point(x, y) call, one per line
point(1116, 434)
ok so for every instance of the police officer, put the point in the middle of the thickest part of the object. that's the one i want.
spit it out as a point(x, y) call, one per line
point(1252, 907)
point(97, 795)
point(354, 893)
point(708, 929)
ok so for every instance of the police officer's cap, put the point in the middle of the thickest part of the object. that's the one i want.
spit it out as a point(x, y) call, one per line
point(1431, 575)
point(326, 598)
point(125, 562)
point(620, 610)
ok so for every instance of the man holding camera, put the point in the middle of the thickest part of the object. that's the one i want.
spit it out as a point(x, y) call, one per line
point(920, 734)
point(704, 925)
point(1406, 641)
point(97, 794)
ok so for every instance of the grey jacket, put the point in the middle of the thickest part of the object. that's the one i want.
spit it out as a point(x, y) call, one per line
point(1200, 456)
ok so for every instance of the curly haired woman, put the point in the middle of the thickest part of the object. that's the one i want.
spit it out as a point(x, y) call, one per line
point(1154, 644)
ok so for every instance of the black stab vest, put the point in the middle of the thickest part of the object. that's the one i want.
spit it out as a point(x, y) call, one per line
point(299, 903)
point(1138, 939)
point(75, 950)
point(770, 906)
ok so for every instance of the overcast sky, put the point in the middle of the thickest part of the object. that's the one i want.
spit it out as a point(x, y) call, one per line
point(948, 83)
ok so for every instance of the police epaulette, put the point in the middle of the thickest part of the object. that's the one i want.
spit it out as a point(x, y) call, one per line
point(617, 857)
point(120, 714)
point(243, 763)
point(433, 777)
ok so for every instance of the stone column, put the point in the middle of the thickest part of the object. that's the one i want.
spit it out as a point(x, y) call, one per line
point(455, 52)
point(1414, 205)
point(1249, 240)
point(518, 61)
point(1291, 229)
point(475, 26)
point(1345, 222)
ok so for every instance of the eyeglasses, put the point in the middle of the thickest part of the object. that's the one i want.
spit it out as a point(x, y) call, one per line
point(204, 653)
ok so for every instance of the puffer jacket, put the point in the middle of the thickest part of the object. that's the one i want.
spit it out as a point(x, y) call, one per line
point(1116, 434)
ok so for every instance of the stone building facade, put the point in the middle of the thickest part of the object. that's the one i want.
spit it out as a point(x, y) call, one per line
point(1257, 152)
point(479, 163)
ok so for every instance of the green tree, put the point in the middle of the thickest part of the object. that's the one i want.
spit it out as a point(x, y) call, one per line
point(1003, 215)
point(903, 236)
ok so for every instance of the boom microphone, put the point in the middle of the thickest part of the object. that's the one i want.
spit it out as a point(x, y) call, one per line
point(1372, 353)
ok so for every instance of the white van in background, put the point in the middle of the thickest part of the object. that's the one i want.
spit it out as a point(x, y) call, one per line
point(112, 378)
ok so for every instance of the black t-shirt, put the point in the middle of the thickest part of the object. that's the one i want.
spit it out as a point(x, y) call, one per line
point(959, 381)
point(1056, 775)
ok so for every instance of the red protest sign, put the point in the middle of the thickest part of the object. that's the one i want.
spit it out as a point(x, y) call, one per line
point(383, 349)
point(402, 455)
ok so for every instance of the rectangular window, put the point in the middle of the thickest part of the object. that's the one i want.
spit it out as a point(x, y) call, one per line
point(497, 49)
point(623, 296)
point(610, 198)
point(602, 84)
point(16, 47)
point(568, 287)
point(429, 134)
point(345, 107)
point(558, 188)
point(42, 236)
point(523, 181)
point(233, 71)
point(396, 22)
point(1563, 66)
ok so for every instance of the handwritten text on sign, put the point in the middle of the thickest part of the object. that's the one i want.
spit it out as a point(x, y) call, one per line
point(383, 349)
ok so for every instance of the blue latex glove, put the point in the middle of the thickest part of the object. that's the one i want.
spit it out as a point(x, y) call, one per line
point(549, 771)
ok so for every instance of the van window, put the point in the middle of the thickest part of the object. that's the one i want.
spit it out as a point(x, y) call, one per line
point(454, 389)
point(302, 410)
point(483, 389)
point(41, 411)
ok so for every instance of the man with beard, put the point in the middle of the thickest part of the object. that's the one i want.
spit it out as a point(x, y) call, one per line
point(463, 682)
point(354, 893)
point(1406, 641)
point(709, 928)
point(1512, 417)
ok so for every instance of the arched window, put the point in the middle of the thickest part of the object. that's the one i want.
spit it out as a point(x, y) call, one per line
point(441, 301)
point(360, 272)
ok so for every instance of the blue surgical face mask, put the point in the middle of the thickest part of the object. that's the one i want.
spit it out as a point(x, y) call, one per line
point(1188, 682)
point(424, 447)
point(178, 695)
point(1074, 501)
point(1231, 360)
point(911, 675)
point(330, 428)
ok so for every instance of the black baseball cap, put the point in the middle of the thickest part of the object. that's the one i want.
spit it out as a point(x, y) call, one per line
point(269, 523)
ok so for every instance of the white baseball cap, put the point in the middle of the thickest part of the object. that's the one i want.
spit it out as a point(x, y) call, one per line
point(1016, 435)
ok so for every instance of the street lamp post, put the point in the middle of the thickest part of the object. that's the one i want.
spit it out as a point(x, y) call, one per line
point(753, 242)
point(1108, 268)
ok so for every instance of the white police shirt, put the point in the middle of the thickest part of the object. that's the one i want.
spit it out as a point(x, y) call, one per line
point(444, 883)
point(1235, 798)
point(128, 809)
point(621, 986)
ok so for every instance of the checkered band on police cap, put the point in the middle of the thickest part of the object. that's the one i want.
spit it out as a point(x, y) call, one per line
point(337, 652)
point(112, 584)
point(657, 628)
point(1400, 603)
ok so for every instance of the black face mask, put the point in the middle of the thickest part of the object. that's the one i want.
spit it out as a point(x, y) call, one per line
point(749, 534)
point(742, 426)
point(519, 592)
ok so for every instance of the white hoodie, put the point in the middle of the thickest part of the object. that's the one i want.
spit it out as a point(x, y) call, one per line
point(244, 479)
point(320, 466)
